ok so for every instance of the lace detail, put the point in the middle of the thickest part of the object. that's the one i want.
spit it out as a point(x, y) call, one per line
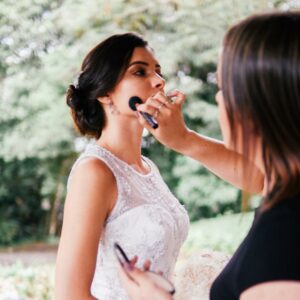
point(147, 221)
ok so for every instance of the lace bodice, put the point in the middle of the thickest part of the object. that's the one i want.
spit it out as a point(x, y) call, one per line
point(147, 221)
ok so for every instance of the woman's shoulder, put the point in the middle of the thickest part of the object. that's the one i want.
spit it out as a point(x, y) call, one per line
point(92, 187)
point(278, 228)
point(94, 170)
point(92, 162)
point(285, 214)
point(92, 166)
point(271, 251)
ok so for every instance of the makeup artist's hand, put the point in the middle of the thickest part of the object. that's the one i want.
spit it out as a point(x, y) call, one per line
point(139, 287)
point(146, 264)
point(167, 110)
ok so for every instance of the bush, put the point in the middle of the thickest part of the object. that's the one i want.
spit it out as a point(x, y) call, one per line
point(224, 233)
point(19, 282)
point(8, 231)
point(21, 214)
point(203, 194)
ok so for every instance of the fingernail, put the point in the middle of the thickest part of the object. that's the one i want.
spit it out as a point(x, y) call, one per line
point(128, 267)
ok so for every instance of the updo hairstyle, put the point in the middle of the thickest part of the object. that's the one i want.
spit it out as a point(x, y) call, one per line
point(101, 70)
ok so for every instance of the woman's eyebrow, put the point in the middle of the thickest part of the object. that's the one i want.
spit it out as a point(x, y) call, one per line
point(142, 63)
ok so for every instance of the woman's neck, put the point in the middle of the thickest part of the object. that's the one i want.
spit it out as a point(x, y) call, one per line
point(124, 142)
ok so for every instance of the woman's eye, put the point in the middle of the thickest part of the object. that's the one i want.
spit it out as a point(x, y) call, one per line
point(140, 72)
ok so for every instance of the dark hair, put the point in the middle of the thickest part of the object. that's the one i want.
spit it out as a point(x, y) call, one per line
point(101, 70)
point(261, 88)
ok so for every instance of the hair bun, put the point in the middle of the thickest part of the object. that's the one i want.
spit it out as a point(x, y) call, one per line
point(74, 99)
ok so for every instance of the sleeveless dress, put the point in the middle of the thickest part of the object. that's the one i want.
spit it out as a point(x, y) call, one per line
point(147, 220)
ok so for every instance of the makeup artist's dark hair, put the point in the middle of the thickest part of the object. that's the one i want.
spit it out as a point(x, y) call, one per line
point(101, 70)
point(261, 89)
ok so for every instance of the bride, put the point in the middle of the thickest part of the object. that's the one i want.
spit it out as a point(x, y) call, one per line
point(114, 193)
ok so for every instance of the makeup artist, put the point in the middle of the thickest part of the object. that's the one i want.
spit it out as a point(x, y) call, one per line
point(259, 114)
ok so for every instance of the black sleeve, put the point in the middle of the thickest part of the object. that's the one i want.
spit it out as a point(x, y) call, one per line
point(273, 251)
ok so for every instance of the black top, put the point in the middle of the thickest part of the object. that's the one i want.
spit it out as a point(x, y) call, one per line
point(270, 251)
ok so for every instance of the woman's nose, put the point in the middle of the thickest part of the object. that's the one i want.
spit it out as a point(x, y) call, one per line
point(158, 81)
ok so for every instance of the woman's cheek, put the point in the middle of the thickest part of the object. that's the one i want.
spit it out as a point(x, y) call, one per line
point(223, 120)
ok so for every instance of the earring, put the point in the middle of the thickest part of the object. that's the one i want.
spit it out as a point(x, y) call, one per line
point(113, 110)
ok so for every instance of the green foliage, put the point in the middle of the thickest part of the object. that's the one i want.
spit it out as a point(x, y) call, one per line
point(221, 234)
point(9, 231)
point(26, 282)
point(206, 196)
point(41, 46)
point(20, 200)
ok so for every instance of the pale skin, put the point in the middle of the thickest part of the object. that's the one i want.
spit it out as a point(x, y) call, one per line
point(173, 133)
point(93, 191)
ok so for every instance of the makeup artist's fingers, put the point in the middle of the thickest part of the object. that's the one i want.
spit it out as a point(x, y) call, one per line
point(177, 97)
point(140, 287)
point(158, 102)
point(148, 289)
point(129, 284)
point(163, 103)
point(147, 107)
point(144, 123)
point(147, 265)
point(162, 99)
point(172, 129)
point(151, 107)
point(134, 260)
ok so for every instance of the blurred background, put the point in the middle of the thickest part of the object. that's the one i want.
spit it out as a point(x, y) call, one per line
point(42, 44)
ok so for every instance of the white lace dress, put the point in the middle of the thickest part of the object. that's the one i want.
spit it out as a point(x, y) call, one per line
point(147, 221)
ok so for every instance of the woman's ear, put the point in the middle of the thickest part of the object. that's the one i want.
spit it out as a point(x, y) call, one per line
point(104, 99)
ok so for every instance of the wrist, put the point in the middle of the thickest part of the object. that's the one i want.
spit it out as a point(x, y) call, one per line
point(184, 142)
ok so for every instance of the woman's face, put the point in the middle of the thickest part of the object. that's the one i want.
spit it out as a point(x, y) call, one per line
point(222, 113)
point(142, 78)
point(253, 140)
point(223, 118)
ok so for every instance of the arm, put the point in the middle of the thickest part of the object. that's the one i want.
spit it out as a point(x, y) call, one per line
point(287, 290)
point(223, 162)
point(90, 198)
point(173, 133)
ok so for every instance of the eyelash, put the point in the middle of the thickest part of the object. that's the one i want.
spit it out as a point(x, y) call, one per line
point(142, 72)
